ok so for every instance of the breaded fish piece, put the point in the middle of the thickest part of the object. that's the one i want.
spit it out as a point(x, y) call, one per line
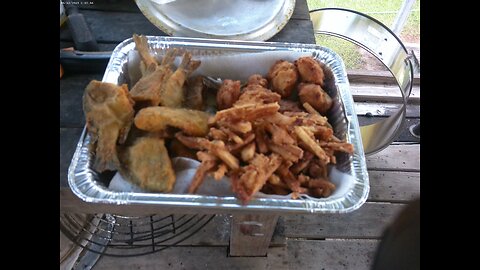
point(149, 62)
point(148, 88)
point(172, 93)
point(154, 119)
point(109, 115)
point(147, 164)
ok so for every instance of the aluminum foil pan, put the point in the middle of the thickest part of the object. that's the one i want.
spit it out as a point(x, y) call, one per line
point(220, 19)
point(349, 174)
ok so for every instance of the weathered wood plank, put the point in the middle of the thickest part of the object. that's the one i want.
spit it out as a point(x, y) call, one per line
point(375, 76)
point(217, 233)
point(382, 92)
point(301, 11)
point(396, 158)
point(196, 258)
point(296, 31)
point(368, 221)
point(68, 142)
point(404, 134)
point(335, 254)
point(126, 24)
point(250, 235)
point(390, 186)
point(384, 109)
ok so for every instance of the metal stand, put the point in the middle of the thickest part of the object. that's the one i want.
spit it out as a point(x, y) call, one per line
point(250, 235)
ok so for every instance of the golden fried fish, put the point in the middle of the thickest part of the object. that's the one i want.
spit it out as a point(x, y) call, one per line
point(154, 119)
point(109, 115)
point(147, 164)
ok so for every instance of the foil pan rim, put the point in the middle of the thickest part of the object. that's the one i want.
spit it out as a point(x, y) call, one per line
point(81, 179)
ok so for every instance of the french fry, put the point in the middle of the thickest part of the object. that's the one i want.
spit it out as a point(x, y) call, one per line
point(220, 172)
point(279, 135)
point(312, 145)
point(280, 119)
point(232, 136)
point(208, 163)
point(261, 139)
point(339, 146)
point(235, 147)
point(218, 149)
point(217, 134)
point(303, 163)
point(248, 112)
point(288, 152)
point(309, 108)
point(237, 126)
point(291, 181)
point(248, 152)
point(276, 181)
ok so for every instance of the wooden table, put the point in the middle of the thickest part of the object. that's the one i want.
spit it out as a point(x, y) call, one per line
point(326, 241)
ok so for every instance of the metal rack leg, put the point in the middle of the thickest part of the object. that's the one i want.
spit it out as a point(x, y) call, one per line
point(250, 235)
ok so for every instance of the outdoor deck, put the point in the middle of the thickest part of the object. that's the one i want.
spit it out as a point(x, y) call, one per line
point(309, 241)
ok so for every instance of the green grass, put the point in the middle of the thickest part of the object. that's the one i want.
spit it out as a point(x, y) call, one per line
point(383, 10)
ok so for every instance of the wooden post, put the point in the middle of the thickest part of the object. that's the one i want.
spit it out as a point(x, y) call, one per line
point(250, 235)
point(402, 16)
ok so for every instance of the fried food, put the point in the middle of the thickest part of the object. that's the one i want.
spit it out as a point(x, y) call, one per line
point(147, 164)
point(289, 106)
point(251, 178)
point(310, 70)
point(312, 145)
point(261, 136)
point(157, 118)
point(172, 93)
point(315, 96)
point(248, 112)
point(194, 94)
point(149, 64)
point(257, 94)
point(228, 94)
point(257, 79)
point(208, 163)
point(283, 77)
point(178, 149)
point(147, 89)
point(109, 114)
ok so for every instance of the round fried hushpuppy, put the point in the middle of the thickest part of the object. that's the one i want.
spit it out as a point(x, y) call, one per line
point(283, 76)
point(257, 79)
point(310, 70)
point(315, 96)
point(228, 94)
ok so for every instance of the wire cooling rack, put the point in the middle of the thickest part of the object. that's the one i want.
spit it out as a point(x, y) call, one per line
point(124, 236)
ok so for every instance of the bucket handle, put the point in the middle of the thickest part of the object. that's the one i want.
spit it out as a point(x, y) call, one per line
point(382, 43)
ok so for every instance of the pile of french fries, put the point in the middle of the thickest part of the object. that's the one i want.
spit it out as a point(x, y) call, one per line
point(262, 147)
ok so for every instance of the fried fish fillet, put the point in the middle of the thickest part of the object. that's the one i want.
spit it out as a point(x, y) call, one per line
point(148, 88)
point(109, 114)
point(147, 164)
point(155, 119)
point(172, 93)
point(148, 61)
